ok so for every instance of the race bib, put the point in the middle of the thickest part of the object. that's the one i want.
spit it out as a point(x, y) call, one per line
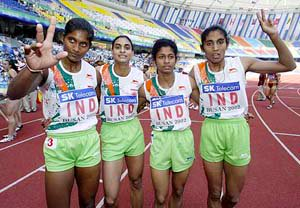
point(50, 143)
point(169, 112)
point(120, 108)
point(221, 97)
point(77, 105)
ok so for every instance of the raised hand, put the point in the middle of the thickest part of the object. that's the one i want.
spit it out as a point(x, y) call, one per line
point(266, 25)
point(39, 56)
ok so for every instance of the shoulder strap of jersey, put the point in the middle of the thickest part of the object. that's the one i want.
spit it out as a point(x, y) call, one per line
point(150, 88)
point(203, 73)
point(106, 77)
point(59, 79)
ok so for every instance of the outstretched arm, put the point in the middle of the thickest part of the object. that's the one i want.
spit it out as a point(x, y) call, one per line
point(38, 57)
point(285, 62)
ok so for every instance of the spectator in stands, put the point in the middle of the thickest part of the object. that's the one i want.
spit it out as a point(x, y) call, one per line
point(99, 63)
point(121, 132)
point(145, 68)
point(71, 91)
point(261, 85)
point(271, 88)
point(172, 148)
point(12, 111)
point(225, 134)
point(151, 72)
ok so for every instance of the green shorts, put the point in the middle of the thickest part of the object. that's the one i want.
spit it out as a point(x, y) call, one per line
point(226, 140)
point(122, 139)
point(172, 150)
point(64, 151)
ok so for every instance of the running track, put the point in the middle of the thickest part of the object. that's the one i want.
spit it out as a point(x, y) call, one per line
point(273, 177)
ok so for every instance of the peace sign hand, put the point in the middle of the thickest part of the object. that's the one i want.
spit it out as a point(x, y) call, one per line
point(39, 56)
point(266, 25)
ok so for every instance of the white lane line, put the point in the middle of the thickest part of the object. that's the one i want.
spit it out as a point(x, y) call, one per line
point(290, 97)
point(42, 169)
point(287, 106)
point(268, 128)
point(25, 140)
point(21, 179)
point(286, 134)
point(124, 174)
point(28, 122)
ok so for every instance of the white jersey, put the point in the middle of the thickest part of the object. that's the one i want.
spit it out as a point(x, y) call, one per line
point(119, 95)
point(222, 94)
point(70, 99)
point(169, 107)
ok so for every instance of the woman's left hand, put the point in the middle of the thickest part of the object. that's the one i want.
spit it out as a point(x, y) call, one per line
point(267, 25)
point(249, 116)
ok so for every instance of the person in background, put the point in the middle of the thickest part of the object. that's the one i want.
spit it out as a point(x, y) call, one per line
point(12, 111)
point(261, 84)
point(272, 82)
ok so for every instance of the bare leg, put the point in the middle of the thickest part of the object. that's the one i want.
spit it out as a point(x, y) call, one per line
point(87, 179)
point(213, 172)
point(112, 171)
point(160, 180)
point(178, 182)
point(12, 108)
point(3, 112)
point(235, 180)
point(135, 167)
point(58, 188)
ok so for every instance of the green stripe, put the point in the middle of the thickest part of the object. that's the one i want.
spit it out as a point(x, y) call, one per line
point(70, 83)
point(67, 77)
point(61, 125)
point(211, 77)
point(115, 80)
point(159, 91)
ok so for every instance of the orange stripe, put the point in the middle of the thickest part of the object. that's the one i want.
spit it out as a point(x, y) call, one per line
point(59, 80)
point(150, 88)
point(107, 78)
point(202, 71)
point(148, 85)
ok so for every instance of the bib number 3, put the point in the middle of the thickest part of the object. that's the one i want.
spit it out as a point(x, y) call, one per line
point(50, 143)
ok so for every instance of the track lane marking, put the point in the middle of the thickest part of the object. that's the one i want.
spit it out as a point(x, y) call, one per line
point(287, 134)
point(21, 179)
point(27, 122)
point(271, 132)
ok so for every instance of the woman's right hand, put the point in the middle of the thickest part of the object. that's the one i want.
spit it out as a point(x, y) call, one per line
point(39, 56)
point(45, 123)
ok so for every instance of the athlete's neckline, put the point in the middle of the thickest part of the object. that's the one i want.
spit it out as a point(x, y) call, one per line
point(115, 74)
